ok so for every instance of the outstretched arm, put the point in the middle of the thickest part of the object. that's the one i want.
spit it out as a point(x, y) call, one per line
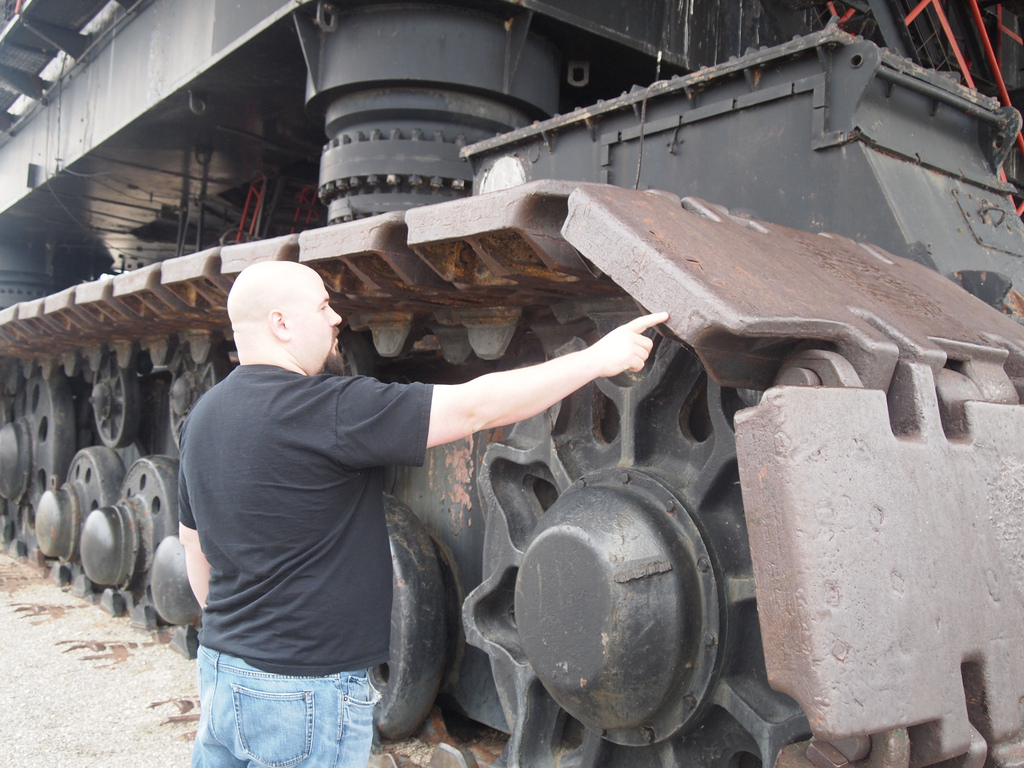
point(497, 399)
point(196, 565)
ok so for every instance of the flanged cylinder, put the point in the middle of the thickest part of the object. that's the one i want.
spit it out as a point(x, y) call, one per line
point(400, 100)
point(94, 480)
point(617, 609)
point(110, 545)
point(172, 593)
point(58, 518)
point(15, 459)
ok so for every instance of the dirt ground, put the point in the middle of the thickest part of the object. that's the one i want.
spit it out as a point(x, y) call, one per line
point(80, 689)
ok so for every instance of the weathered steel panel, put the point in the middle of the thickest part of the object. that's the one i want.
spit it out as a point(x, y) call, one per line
point(885, 564)
point(744, 293)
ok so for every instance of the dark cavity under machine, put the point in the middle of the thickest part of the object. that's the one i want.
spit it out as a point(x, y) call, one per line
point(796, 538)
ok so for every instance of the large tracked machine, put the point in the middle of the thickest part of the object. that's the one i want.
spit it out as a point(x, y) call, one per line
point(797, 538)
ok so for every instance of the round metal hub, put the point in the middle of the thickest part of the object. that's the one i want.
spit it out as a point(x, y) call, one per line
point(617, 608)
point(15, 459)
point(110, 544)
point(94, 480)
point(57, 522)
point(172, 594)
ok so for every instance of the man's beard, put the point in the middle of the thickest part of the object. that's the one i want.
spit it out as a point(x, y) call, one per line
point(335, 363)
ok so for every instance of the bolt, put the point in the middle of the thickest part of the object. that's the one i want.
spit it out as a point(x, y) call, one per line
point(703, 565)
point(690, 701)
point(458, 185)
point(672, 508)
point(436, 182)
point(393, 179)
point(625, 478)
point(648, 733)
point(415, 181)
point(710, 640)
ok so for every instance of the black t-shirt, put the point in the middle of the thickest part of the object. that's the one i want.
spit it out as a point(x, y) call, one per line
point(282, 476)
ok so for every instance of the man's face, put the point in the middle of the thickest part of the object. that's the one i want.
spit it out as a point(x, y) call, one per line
point(315, 326)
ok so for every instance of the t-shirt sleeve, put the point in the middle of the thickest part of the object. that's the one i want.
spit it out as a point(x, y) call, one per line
point(185, 516)
point(381, 424)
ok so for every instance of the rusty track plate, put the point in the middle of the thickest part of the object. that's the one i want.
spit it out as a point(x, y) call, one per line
point(743, 293)
point(883, 564)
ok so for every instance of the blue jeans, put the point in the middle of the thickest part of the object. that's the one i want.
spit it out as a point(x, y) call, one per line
point(255, 719)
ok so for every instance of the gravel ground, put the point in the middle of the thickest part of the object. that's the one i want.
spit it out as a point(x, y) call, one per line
point(80, 689)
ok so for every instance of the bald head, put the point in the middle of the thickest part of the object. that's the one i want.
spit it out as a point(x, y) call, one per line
point(280, 315)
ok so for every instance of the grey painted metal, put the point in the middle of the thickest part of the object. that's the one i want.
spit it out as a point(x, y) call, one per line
point(400, 101)
point(127, 138)
point(823, 132)
point(94, 480)
point(691, 35)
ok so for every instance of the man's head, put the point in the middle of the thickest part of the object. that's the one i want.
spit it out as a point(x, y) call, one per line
point(281, 315)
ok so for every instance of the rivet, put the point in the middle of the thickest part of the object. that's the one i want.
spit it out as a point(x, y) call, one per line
point(625, 478)
point(710, 640)
point(703, 565)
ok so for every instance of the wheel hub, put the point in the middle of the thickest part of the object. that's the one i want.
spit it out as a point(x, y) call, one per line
point(617, 609)
point(101, 400)
point(15, 460)
point(172, 594)
point(57, 521)
point(110, 545)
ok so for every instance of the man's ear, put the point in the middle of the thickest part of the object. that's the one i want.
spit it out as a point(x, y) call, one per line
point(278, 325)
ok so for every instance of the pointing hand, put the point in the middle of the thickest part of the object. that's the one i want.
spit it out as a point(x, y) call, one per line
point(626, 348)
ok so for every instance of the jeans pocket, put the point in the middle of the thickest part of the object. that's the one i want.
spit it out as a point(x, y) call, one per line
point(275, 729)
point(361, 692)
point(358, 700)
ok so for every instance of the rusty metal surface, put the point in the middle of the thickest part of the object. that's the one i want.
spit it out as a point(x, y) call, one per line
point(885, 564)
point(468, 263)
point(745, 294)
point(884, 750)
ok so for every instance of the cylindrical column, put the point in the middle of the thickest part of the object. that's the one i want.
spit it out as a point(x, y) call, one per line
point(403, 87)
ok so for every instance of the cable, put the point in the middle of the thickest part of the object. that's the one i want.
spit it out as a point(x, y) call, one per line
point(643, 123)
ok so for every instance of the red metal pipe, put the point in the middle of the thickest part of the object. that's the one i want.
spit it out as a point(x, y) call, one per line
point(916, 12)
point(997, 72)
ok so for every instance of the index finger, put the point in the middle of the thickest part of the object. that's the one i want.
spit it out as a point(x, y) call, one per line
point(641, 324)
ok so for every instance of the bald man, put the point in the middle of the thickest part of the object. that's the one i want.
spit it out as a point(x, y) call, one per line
point(281, 508)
